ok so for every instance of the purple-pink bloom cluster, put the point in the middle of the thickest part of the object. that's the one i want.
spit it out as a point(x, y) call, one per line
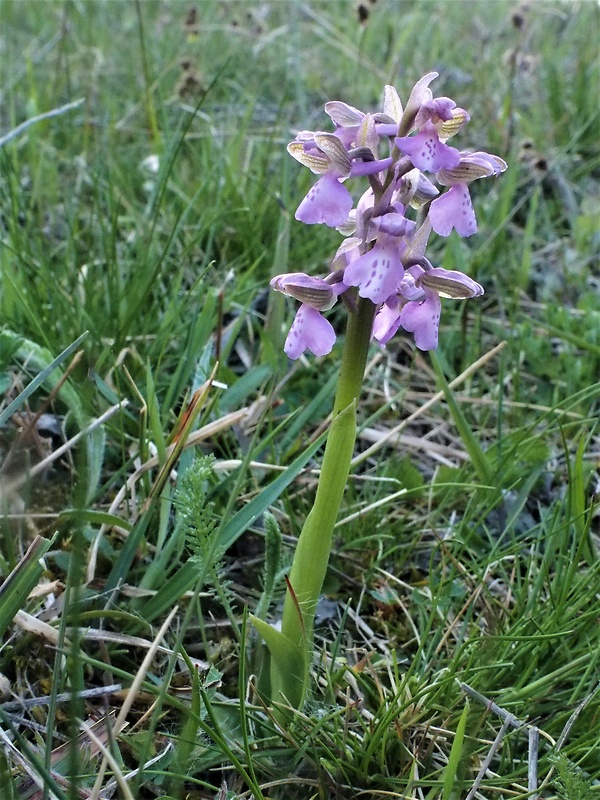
point(383, 254)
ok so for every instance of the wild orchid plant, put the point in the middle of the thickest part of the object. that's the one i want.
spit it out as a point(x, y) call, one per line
point(383, 256)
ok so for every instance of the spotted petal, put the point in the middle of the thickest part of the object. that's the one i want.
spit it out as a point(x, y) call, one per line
point(427, 152)
point(328, 201)
point(309, 331)
point(377, 273)
point(453, 210)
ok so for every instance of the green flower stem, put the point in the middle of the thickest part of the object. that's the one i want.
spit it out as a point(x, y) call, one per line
point(314, 545)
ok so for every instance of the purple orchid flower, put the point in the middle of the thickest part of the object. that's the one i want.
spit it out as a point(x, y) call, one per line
point(417, 306)
point(454, 209)
point(436, 120)
point(310, 330)
point(328, 201)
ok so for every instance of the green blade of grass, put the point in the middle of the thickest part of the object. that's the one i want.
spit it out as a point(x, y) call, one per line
point(452, 770)
point(478, 457)
point(250, 512)
point(40, 359)
point(20, 582)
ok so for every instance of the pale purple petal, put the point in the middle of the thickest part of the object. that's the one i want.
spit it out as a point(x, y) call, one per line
point(496, 164)
point(387, 128)
point(409, 287)
point(423, 320)
point(436, 109)
point(344, 115)
point(328, 201)
point(339, 160)
point(309, 331)
point(387, 321)
point(347, 136)
point(427, 152)
point(364, 211)
point(419, 95)
point(392, 106)
point(369, 167)
point(393, 223)
point(415, 188)
point(453, 210)
point(377, 273)
point(348, 251)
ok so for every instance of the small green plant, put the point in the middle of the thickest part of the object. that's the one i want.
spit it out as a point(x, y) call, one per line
point(571, 783)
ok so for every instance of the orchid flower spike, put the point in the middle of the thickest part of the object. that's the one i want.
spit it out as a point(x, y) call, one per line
point(403, 152)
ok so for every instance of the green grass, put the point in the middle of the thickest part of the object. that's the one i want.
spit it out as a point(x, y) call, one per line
point(477, 585)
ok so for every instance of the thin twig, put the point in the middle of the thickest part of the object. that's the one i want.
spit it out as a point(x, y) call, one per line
point(571, 721)
point(110, 760)
point(532, 762)
point(64, 697)
point(488, 759)
point(489, 704)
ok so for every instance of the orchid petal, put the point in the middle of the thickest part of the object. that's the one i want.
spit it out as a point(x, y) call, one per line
point(328, 202)
point(423, 320)
point(315, 161)
point(420, 94)
point(336, 152)
point(427, 152)
point(392, 105)
point(309, 331)
point(452, 126)
point(472, 166)
point(370, 167)
point(436, 110)
point(344, 115)
point(312, 291)
point(377, 273)
point(387, 321)
point(450, 283)
point(453, 210)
